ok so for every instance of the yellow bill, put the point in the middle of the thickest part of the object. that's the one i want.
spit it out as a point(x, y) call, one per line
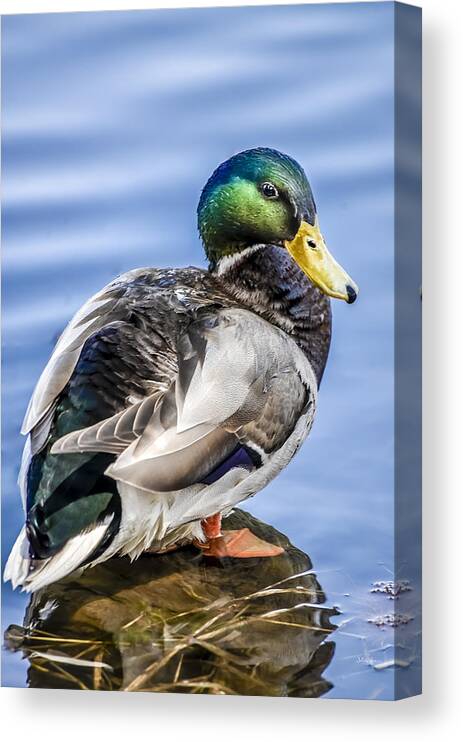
point(311, 254)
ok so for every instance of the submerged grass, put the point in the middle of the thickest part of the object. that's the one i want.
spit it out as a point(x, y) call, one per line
point(181, 623)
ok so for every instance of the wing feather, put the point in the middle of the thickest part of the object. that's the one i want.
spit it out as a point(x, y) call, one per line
point(240, 381)
point(92, 316)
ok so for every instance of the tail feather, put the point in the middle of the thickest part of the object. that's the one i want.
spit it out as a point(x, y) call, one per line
point(33, 575)
point(19, 562)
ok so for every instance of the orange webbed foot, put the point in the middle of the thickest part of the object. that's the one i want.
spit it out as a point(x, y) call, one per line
point(242, 544)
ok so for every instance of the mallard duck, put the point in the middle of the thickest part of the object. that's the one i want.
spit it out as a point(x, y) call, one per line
point(175, 394)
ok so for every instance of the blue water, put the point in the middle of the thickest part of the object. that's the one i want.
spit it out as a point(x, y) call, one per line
point(112, 122)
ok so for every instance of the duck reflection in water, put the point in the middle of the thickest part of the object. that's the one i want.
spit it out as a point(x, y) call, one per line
point(194, 625)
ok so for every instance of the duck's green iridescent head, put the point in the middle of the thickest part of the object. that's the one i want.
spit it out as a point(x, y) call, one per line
point(262, 197)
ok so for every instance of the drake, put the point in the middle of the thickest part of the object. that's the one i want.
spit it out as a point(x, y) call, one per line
point(175, 394)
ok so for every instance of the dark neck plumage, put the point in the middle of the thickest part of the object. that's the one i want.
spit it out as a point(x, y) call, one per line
point(265, 279)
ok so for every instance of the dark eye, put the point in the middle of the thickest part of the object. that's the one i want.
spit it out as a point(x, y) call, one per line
point(269, 190)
